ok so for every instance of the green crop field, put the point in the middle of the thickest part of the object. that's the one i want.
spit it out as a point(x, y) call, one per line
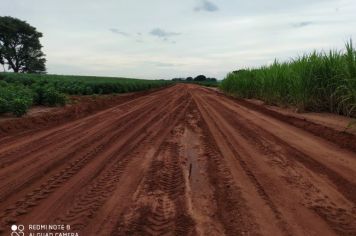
point(19, 91)
point(320, 81)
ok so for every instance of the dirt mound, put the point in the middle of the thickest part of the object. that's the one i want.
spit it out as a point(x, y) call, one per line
point(80, 107)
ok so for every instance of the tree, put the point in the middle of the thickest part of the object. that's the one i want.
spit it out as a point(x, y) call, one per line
point(2, 60)
point(178, 79)
point(189, 79)
point(200, 78)
point(20, 47)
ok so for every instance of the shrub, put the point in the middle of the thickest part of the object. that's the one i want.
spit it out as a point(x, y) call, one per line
point(51, 90)
point(15, 98)
point(38, 97)
point(52, 97)
point(19, 106)
point(3, 106)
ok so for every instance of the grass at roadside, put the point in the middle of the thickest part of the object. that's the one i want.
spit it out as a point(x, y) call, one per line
point(320, 81)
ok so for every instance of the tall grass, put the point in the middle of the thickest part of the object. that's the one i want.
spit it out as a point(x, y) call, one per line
point(319, 81)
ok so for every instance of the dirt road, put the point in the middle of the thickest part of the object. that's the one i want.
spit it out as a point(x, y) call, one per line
point(179, 161)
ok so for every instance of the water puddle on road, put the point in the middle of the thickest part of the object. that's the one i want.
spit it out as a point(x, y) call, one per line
point(200, 196)
point(195, 164)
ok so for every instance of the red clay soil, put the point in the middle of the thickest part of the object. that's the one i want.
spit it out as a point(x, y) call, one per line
point(81, 106)
point(180, 161)
point(343, 139)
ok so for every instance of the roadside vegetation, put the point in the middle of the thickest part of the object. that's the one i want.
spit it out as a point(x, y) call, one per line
point(19, 91)
point(208, 83)
point(200, 79)
point(320, 81)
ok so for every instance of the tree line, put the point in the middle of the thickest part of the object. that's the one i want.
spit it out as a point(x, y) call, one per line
point(199, 78)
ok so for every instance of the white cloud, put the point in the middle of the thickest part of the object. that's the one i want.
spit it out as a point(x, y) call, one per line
point(122, 38)
point(117, 31)
point(206, 5)
point(302, 24)
point(164, 35)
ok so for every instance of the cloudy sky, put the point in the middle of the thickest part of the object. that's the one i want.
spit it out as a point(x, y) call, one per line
point(165, 38)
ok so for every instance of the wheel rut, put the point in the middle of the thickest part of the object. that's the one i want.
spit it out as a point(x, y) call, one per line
point(183, 160)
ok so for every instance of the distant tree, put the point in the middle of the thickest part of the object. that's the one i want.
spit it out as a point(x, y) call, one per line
point(189, 79)
point(178, 79)
point(239, 71)
point(200, 78)
point(20, 47)
point(212, 79)
point(2, 60)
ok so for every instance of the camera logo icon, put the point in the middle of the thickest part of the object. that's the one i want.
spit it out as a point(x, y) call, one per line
point(17, 230)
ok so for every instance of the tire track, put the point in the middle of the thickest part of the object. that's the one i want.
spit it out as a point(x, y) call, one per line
point(32, 199)
point(165, 210)
point(101, 136)
point(23, 150)
point(179, 161)
point(232, 211)
point(97, 192)
point(163, 191)
point(341, 220)
point(248, 172)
